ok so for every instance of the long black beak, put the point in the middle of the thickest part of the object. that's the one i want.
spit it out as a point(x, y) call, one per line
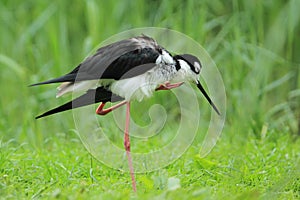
point(207, 97)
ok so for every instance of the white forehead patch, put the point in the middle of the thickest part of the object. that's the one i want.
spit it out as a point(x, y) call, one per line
point(197, 67)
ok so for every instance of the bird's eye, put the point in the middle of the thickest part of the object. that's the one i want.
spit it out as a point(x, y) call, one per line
point(197, 67)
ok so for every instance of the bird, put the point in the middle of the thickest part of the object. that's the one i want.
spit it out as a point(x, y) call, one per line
point(123, 71)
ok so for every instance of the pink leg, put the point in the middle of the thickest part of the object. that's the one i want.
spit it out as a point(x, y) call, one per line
point(127, 145)
point(168, 86)
point(101, 111)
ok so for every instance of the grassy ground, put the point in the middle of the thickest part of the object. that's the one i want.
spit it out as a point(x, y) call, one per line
point(255, 47)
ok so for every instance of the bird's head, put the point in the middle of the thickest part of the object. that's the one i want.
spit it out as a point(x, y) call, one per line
point(189, 68)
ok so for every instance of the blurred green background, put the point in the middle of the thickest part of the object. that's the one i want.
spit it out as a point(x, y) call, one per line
point(255, 45)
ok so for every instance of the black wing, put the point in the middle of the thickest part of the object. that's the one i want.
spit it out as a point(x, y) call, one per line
point(90, 97)
point(119, 60)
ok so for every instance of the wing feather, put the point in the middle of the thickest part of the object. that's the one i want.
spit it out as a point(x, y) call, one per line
point(92, 96)
point(114, 61)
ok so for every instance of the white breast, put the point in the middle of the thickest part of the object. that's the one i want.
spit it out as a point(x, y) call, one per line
point(143, 85)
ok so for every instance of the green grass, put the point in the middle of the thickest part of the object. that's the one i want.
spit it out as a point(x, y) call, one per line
point(255, 47)
point(62, 168)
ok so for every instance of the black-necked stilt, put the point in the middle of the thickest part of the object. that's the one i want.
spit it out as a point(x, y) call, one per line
point(129, 69)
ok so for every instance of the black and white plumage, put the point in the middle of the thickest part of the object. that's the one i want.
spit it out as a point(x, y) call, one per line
point(128, 69)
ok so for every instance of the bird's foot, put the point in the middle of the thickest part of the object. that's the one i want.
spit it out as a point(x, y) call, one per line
point(101, 111)
point(169, 86)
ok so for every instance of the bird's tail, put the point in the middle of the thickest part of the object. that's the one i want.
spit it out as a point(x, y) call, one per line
point(92, 96)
